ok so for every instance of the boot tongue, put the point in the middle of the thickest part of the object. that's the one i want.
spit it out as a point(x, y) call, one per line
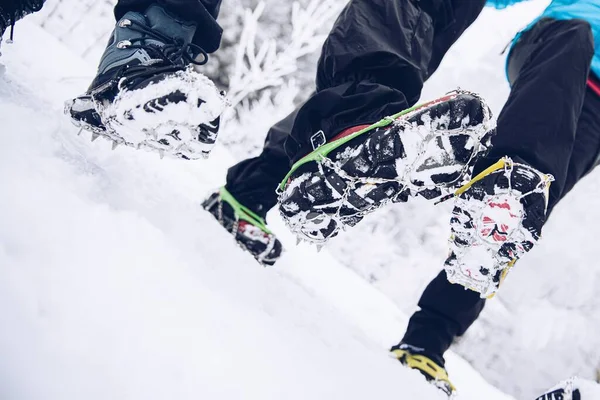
point(155, 18)
point(160, 21)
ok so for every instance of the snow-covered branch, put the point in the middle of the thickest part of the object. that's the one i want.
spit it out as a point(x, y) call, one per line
point(261, 66)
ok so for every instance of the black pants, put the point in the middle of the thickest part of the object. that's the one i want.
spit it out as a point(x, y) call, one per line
point(373, 64)
point(203, 12)
point(13, 10)
point(551, 120)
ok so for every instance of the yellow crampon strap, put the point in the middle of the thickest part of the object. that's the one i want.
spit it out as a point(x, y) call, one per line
point(425, 365)
point(501, 163)
point(505, 272)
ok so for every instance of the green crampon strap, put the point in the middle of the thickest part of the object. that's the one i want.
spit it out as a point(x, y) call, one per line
point(322, 152)
point(243, 212)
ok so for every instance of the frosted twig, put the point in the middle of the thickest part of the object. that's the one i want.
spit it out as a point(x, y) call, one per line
point(258, 67)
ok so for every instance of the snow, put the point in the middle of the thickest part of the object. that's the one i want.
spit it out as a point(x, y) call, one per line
point(128, 115)
point(114, 284)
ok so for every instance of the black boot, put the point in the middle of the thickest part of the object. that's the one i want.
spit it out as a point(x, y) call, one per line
point(249, 229)
point(147, 93)
point(429, 365)
point(425, 150)
point(570, 390)
point(497, 218)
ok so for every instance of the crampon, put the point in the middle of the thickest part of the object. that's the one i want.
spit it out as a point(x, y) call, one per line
point(426, 150)
point(249, 229)
point(148, 93)
point(497, 218)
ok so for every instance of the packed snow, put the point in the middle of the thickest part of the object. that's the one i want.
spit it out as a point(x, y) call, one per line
point(115, 284)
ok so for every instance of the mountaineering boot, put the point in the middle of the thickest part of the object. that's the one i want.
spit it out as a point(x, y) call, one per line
point(428, 150)
point(147, 93)
point(249, 229)
point(497, 217)
point(431, 367)
point(572, 389)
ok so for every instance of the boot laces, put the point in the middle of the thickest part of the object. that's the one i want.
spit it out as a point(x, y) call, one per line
point(174, 51)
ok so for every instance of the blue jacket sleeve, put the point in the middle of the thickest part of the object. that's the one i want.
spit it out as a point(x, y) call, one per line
point(500, 4)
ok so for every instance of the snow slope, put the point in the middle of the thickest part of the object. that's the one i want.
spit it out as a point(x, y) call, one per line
point(543, 324)
point(114, 284)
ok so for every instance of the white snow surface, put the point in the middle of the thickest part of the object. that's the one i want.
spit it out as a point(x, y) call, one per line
point(114, 284)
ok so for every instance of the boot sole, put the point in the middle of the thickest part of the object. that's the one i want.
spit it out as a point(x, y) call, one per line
point(489, 232)
point(245, 233)
point(176, 116)
point(317, 204)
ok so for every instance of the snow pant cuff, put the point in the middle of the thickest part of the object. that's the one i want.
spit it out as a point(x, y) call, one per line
point(446, 311)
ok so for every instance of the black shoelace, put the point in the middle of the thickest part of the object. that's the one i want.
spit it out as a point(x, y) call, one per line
point(174, 51)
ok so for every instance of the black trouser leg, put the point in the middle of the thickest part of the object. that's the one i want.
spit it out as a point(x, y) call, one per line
point(586, 150)
point(374, 63)
point(13, 10)
point(446, 311)
point(548, 70)
point(462, 14)
point(203, 12)
point(253, 181)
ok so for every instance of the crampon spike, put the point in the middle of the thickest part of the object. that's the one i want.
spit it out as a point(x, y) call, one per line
point(114, 145)
point(95, 136)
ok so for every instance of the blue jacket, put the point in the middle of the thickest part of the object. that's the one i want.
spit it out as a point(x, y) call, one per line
point(588, 10)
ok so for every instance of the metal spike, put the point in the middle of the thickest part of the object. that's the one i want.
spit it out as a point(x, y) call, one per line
point(161, 153)
point(115, 144)
point(80, 130)
point(298, 241)
point(138, 146)
point(320, 247)
point(95, 136)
